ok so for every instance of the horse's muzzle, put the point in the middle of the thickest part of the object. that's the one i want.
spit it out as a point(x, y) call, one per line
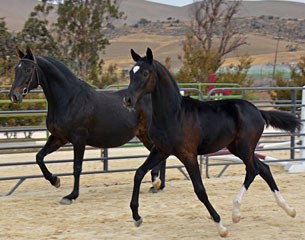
point(16, 97)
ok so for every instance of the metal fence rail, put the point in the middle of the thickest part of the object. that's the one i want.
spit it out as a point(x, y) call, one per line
point(293, 143)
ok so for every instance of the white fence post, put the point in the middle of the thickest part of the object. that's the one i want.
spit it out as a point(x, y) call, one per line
point(295, 168)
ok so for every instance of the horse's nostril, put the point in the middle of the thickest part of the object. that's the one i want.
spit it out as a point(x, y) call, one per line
point(14, 98)
point(127, 101)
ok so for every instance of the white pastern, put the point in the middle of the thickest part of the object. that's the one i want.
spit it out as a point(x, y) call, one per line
point(237, 204)
point(282, 203)
point(156, 183)
point(135, 69)
point(223, 232)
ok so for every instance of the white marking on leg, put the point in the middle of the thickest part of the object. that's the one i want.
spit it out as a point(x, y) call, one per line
point(156, 183)
point(282, 203)
point(135, 69)
point(223, 232)
point(236, 205)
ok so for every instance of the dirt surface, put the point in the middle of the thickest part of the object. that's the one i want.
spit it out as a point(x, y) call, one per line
point(102, 209)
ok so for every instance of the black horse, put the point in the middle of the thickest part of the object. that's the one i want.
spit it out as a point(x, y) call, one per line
point(186, 128)
point(80, 115)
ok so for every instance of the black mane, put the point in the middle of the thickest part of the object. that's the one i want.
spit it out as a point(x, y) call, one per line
point(63, 71)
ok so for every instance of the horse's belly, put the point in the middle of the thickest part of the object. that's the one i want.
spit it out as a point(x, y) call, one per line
point(206, 149)
point(106, 139)
point(215, 142)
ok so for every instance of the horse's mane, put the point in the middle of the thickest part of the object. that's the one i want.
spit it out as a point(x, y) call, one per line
point(161, 70)
point(63, 70)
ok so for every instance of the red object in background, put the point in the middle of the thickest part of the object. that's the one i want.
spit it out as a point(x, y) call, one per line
point(212, 79)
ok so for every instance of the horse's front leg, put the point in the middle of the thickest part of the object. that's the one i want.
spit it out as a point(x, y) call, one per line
point(155, 157)
point(51, 145)
point(79, 150)
point(192, 167)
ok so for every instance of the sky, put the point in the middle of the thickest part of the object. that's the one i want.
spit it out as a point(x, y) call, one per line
point(185, 2)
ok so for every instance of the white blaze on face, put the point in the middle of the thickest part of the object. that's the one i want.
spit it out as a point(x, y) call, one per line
point(135, 69)
point(19, 65)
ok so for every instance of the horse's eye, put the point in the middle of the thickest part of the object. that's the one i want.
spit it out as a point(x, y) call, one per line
point(145, 73)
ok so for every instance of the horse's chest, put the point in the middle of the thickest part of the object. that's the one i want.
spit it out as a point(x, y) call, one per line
point(57, 129)
point(163, 140)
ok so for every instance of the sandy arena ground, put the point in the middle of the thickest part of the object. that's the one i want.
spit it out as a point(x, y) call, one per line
point(102, 210)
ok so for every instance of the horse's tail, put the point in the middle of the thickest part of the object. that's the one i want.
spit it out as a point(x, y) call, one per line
point(281, 120)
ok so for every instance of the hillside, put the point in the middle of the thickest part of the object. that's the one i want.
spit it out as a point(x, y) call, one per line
point(16, 16)
point(166, 38)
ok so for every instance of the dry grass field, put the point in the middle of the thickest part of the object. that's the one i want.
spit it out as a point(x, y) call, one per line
point(260, 48)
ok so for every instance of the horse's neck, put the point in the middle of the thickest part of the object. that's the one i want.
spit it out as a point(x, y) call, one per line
point(56, 86)
point(166, 100)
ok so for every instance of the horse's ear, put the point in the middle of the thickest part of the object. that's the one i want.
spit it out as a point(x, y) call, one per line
point(29, 52)
point(136, 57)
point(20, 54)
point(149, 55)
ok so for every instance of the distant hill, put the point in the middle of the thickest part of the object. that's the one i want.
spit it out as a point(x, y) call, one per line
point(167, 41)
point(17, 11)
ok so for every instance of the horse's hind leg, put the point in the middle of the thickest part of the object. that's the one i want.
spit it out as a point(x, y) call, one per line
point(192, 168)
point(246, 154)
point(158, 177)
point(51, 145)
point(265, 173)
point(250, 175)
point(157, 172)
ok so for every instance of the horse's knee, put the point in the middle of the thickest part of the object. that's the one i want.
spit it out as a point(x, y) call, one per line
point(39, 158)
point(139, 175)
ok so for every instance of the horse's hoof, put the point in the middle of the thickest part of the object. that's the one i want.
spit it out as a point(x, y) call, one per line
point(292, 213)
point(138, 223)
point(65, 201)
point(224, 233)
point(236, 218)
point(57, 183)
point(154, 190)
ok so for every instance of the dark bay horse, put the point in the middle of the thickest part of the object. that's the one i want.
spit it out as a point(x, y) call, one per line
point(185, 127)
point(78, 114)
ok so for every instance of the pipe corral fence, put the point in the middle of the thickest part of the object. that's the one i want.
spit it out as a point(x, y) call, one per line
point(20, 139)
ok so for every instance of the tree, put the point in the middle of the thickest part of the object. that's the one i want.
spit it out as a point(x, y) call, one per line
point(237, 73)
point(297, 79)
point(35, 32)
point(213, 35)
point(81, 27)
point(197, 64)
point(6, 52)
